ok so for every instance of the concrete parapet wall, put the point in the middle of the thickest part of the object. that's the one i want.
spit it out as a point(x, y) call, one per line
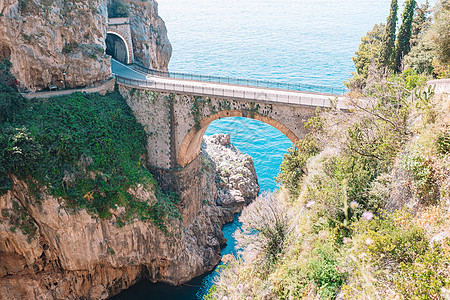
point(102, 89)
point(441, 85)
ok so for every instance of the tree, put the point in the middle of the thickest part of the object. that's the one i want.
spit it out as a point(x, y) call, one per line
point(367, 55)
point(421, 22)
point(387, 51)
point(440, 32)
point(404, 35)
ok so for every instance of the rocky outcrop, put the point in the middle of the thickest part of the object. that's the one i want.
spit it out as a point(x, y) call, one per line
point(236, 175)
point(46, 37)
point(48, 251)
point(151, 45)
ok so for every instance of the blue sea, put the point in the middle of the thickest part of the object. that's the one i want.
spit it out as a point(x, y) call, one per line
point(293, 41)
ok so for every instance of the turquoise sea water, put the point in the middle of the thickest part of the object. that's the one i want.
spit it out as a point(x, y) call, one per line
point(307, 41)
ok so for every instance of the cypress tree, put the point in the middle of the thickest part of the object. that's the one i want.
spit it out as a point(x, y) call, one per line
point(420, 23)
point(387, 50)
point(404, 35)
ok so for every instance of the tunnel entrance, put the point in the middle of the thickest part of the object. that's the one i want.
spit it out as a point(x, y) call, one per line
point(116, 47)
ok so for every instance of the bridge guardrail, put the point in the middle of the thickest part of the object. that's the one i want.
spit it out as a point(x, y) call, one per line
point(267, 96)
point(303, 87)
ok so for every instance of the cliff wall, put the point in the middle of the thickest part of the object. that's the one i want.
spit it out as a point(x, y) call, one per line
point(151, 45)
point(44, 38)
point(75, 255)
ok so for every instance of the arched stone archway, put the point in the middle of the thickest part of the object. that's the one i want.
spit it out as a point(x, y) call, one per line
point(176, 123)
point(117, 46)
point(190, 147)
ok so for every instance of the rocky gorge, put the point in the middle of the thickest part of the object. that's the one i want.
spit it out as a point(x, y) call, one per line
point(51, 250)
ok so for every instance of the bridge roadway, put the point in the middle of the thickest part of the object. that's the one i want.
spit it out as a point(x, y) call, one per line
point(129, 76)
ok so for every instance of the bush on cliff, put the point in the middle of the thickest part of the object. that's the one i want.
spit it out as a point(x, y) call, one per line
point(345, 237)
point(88, 149)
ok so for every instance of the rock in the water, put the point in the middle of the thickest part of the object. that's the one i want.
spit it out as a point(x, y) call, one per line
point(236, 174)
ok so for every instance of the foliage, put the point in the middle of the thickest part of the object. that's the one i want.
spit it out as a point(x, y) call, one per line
point(11, 102)
point(404, 35)
point(387, 50)
point(324, 271)
point(427, 277)
point(293, 166)
point(87, 149)
point(366, 56)
point(420, 58)
point(443, 142)
point(118, 9)
point(420, 23)
point(264, 228)
point(439, 33)
point(421, 168)
point(389, 240)
point(19, 218)
point(69, 47)
point(432, 54)
point(28, 7)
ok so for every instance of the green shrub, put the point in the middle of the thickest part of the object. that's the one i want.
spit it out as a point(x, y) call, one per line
point(264, 228)
point(443, 142)
point(28, 7)
point(69, 47)
point(391, 237)
point(293, 166)
point(19, 218)
point(324, 271)
point(426, 277)
point(118, 9)
point(87, 149)
point(422, 171)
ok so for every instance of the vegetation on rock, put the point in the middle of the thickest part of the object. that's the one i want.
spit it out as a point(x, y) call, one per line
point(421, 44)
point(363, 209)
point(118, 9)
point(85, 148)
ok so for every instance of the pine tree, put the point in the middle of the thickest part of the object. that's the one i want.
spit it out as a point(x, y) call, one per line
point(387, 51)
point(404, 35)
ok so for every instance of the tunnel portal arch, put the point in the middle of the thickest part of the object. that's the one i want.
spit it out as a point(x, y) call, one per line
point(117, 47)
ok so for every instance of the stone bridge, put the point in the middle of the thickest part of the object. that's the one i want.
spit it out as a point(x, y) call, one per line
point(118, 40)
point(176, 112)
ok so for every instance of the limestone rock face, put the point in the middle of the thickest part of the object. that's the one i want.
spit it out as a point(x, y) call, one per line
point(237, 180)
point(151, 45)
point(73, 255)
point(45, 38)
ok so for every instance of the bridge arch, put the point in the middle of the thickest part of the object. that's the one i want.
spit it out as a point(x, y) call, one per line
point(118, 47)
point(190, 147)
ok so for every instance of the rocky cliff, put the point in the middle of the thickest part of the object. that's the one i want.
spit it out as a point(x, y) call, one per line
point(74, 255)
point(45, 38)
point(148, 32)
